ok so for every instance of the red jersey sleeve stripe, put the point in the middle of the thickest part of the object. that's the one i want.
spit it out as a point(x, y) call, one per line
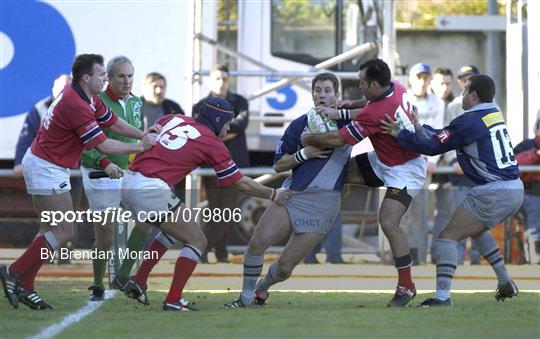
point(351, 134)
point(230, 179)
point(106, 117)
point(227, 172)
point(86, 137)
point(356, 130)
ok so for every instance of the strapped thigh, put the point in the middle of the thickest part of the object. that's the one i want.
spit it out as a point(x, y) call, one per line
point(400, 195)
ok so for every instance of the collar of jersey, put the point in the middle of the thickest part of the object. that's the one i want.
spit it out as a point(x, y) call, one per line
point(482, 106)
point(80, 91)
point(385, 94)
point(112, 94)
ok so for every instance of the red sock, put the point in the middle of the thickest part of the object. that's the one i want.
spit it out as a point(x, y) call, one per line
point(182, 271)
point(28, 264)
point(27, 281)
point(404, 277)
point(148, 264)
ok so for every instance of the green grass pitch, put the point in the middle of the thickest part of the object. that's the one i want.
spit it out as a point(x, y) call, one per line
point(289, 314)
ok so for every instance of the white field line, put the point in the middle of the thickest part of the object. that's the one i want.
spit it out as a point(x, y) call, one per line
point(341, 291)
point(55, 329)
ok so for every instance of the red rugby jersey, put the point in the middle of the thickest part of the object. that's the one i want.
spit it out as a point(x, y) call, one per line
point(73, 122)
point(394, 103)
point(184, 145)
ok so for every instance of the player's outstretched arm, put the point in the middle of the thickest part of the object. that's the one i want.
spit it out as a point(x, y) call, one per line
point(324, 140)
point(337, 113)
point(290, 161)
point(115, 147)
point(249, 186)
point(351, 104)
point(425, 139)
point(123, 128)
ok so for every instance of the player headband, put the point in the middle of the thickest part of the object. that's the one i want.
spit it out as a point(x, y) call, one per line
point(215, 113)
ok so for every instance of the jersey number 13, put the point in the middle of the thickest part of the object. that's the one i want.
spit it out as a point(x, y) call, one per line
point(502, 147)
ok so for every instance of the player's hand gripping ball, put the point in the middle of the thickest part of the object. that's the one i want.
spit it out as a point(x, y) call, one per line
point(318, 124)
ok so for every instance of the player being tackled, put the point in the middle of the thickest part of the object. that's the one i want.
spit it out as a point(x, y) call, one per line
point(317, 179)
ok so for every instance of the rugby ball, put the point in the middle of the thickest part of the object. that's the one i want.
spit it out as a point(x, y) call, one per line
point(318, 124)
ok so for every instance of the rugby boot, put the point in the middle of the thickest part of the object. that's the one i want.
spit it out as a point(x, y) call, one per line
point(10, 285)
point(434, 302)
point(261, 298)
point(506, 290)
point(32, 299)
point(118, 283)
point(236, 304)
point(97, 294)
point(182, 305)
point(134, 290)
point(402, 296)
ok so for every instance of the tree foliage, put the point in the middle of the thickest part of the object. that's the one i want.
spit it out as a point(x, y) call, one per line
point(423, 13)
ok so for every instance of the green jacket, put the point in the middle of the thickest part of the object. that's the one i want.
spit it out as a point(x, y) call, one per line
point(132, 114)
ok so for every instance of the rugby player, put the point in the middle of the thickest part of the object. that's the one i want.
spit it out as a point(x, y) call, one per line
point(316, 182)
point(183, 145)
point(401, 171)
point(73, 122)
point(104, 193)
point(486, 155)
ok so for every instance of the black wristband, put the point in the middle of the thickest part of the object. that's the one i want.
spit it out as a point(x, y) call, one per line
point(300, 156)
point(345, 114)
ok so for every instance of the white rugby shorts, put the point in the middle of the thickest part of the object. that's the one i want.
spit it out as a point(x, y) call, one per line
point(144, 194)
point(411, 174)
point(101, 193)
point(43, 177)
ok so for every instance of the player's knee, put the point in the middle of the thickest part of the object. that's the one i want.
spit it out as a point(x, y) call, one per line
point(64, 233)
point(256, 246)
point(284, 269)
point(387, 223)
point(447, 234)
point(200, 242)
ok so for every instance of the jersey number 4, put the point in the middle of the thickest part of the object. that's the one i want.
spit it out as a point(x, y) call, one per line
point(174, 135)
point(502, 147)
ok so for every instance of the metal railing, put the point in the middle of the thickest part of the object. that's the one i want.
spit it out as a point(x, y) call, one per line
point(264, 175)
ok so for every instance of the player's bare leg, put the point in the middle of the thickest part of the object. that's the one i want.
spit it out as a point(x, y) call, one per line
point(461, 226)
point(296, 250)
point(18, 279)
point(390, 214)
point(273, 227)
point(354, 177)
point(194, 240)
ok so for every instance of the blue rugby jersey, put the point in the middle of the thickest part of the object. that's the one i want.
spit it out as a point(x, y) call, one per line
point(480, 138)
point(326, 173)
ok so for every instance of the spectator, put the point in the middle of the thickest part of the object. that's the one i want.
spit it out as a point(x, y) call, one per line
point(461, 184)
point(155, 105)
point(430, 111)
point(441, 85)
point(235, 140)
point(528, 153)
point(33, 120)
point(371, 27)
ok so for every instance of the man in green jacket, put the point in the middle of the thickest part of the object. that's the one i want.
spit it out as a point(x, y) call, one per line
point(104, 193)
